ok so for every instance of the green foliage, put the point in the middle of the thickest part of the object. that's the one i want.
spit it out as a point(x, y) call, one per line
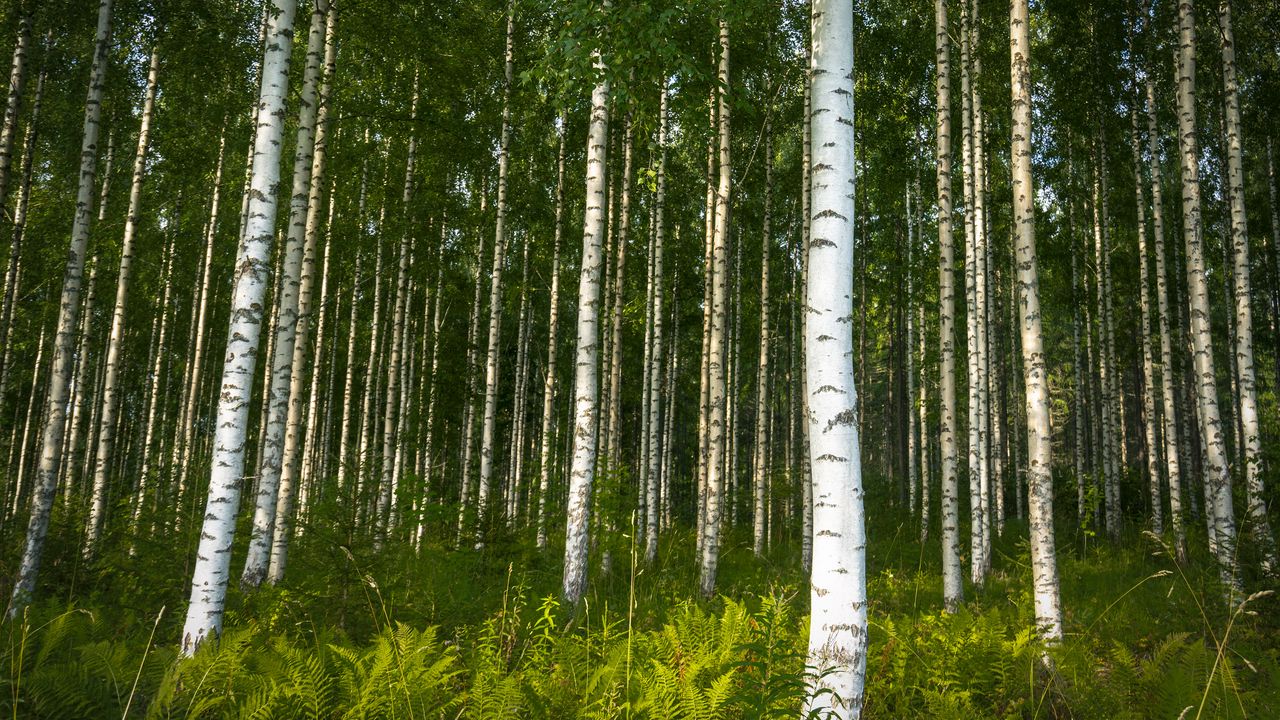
point(1140, 644)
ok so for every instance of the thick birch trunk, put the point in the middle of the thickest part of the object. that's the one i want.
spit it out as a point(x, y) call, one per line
point(289, 310)
point(952, 581)
point(213, 556)
point(1044, 562)
point(717, 345)
point(1216, 476)
point(838, 625)
point(1251, 433)
point(582, 470)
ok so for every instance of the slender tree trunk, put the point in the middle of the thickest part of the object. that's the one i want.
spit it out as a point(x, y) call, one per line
point(612, 449)
point(487, 439)
point(1217, 478)
point(19, 227)
point(1172, 448)
point(654, 491)
point(307, 474)
point(1044, 562)
point(115, 342)
point(838, 627)
point(296, 280)
point(1251, 432)
point(348, 386)
point(977, 543)
point(468, 414)
point(428, 454)
point(384, 513)
point(952, 581)
point(82, 376)
point(155, 396)
point(585, 400)
point(760, 460)
point(717, 395)
point(1148, 371)
point(515, 460)
point(1106, 365)
point(545, 461)
point(18, 484)
point(923, 425)
point(183, 450)
point(213, 557)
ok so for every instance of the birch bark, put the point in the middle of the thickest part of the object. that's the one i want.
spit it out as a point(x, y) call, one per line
point(838, 624)
point(213, 556)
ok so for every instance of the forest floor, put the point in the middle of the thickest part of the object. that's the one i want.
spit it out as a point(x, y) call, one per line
point(447, 633)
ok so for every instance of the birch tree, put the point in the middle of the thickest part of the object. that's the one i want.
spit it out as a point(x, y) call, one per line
point(585, 379)
point(952, 581)
point(487, 440)
point(1044, 562)
point(213, 555)
point(64, 331)
point(288, 310)
point(1247, 411)
point(838, 581)
point(1219, 511)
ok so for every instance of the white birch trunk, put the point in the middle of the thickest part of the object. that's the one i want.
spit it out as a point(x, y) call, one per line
point(183, 450)
point(952, 580)
point(1217, 479)
point(1255, 493)
point(1148, 371)
point(838, 624)
point(1044, 562)
point(288, 311)
point(717, 344)
point(213, 556)
point(653, 489)
point(585, 381)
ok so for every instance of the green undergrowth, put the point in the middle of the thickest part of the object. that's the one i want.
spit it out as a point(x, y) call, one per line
point(449, 633)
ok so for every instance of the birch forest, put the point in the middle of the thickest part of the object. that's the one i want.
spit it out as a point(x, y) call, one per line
point(640, 359)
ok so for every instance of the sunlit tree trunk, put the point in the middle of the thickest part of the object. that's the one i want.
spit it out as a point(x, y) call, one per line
point(1044, 562)
point(295, 280)
point(1106, 365)
point(213, 556)
point(585, 384)
point(1216, 476)
point(952, 581)
point(115, 342)
point(13, 105)
point(716, 347)
point(838, 626)
point(1255, 494)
